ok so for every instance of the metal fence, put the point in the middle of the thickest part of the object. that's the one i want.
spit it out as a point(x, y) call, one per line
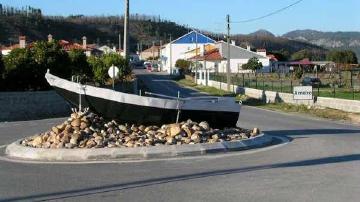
point(344, 84)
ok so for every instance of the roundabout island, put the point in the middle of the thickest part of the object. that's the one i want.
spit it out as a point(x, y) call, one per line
point(87, 136)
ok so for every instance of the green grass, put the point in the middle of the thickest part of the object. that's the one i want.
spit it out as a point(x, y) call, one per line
point(284, 107)
point(206, 89)
point(286, 87)
point(291, 108)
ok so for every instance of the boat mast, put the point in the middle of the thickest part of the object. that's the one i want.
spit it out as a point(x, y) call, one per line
point(126, 30)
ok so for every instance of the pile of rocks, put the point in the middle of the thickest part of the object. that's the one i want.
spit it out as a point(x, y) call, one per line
point(88, 130)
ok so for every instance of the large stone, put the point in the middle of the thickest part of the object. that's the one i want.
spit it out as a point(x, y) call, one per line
point(215, 137)
point(170, 140)
point(45, 137)
point(61, 127)
point(55, 130)
point(83, 125)
point(123, 128)
point(174, 130)
point(76, 123)
point(37, 141)
point(130, 144)
point(65, 139)
point(70, 145)
point(186, 140)
point(188, 131)
point(73, 141)
point(196, 128)
point(90, 143)
point(204, 125)
point(195, 137)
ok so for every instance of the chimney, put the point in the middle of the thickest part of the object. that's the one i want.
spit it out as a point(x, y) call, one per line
point(84, 45)
point(248, 47)
point(202, 50)
point(261, 52)
point(22, 41)
point(50, 38)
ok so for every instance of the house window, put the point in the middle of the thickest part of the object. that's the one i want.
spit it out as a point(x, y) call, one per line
point(239, 66)
point(216, 67)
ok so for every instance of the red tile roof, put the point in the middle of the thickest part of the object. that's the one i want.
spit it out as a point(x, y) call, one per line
point(212, 55)
point(152, 48)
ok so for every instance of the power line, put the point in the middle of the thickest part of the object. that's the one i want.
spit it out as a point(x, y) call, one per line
point(269, 14)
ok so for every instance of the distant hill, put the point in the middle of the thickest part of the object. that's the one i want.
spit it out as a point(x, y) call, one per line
point(262, 33)
point(98, 29)
point(104, 30)
point(272, 43)
point(331, 40)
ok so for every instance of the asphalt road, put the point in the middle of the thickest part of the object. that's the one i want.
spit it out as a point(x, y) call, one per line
point(321, 163)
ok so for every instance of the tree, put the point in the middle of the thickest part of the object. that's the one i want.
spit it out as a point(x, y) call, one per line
point(301, 55)
point(310, 54)
point(343, 57)
point(79, 63)
point(117, 60)
point(101, 65)
point(98, 69)
point(184, 65)
point(281, 55)
point(253, 64)
point(50, 55)
point(2, 68)
point(20, 70)
point(298, 73)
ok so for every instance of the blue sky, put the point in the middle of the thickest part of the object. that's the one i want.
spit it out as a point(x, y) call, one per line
point(324, 15)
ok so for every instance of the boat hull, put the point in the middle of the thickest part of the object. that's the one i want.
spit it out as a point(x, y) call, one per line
point(131, 113)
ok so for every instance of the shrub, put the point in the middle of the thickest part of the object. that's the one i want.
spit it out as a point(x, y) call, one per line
point(184, 65)
point(100, 66)
point(253, 64)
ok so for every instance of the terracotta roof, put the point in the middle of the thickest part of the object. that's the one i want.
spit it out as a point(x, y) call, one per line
point(152, 48)
point(272, 57)
point(212, 55)
point(304, 61)
point(67, 46)
point(10, 47)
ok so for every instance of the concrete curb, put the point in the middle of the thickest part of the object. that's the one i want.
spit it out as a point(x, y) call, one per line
point(16, 150)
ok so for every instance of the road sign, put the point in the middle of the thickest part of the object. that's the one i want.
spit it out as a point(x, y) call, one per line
point(113, 72)
point(303, 93)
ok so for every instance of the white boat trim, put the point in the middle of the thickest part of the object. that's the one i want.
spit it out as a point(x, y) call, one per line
point(225, 104)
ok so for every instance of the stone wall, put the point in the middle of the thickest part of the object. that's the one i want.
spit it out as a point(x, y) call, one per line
point(271, 97)
point(16, 106)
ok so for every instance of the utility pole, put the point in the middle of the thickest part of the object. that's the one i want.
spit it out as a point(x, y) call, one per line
point(160, 55)
point(119, 42)
point(170, 55)
point(228, 53)
point(196, 61)
point(126, 30)
point(152, 50)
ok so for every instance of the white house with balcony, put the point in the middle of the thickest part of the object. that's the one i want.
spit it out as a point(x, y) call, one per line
point(240, 56)
point(179, 49)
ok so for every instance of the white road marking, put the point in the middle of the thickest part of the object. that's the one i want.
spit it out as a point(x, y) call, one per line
point(284, 141)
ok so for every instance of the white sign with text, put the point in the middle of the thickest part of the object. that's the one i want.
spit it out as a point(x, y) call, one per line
point(303, 93)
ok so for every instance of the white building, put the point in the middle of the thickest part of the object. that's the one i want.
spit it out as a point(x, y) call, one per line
point(215, 60)
point(178, 49)
point(240, 56)
point(106, 49)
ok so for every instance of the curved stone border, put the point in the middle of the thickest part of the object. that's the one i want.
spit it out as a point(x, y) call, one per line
point(16, 150)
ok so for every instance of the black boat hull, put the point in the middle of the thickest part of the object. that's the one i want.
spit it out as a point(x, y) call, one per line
point(131, 113)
